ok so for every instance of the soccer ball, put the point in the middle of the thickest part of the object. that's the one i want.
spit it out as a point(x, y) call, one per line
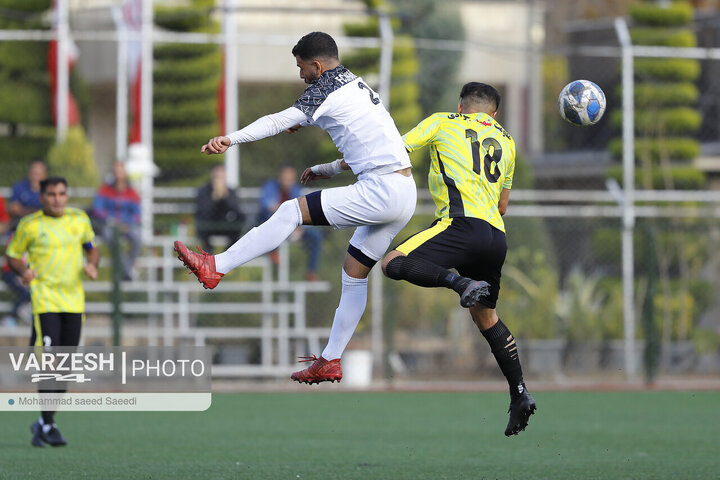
point(581, 103)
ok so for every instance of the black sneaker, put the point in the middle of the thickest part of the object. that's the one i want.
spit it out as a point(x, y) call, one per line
point(36, 430)
point(474, 292)
point(54, 437)
point(520, 410)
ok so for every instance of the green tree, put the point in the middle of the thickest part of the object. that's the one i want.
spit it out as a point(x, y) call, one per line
point(74, 159)
point(438, 68)
point(25, 107)
point(185, 92)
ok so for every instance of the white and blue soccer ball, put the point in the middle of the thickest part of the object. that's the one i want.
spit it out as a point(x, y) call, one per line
point(581, 103)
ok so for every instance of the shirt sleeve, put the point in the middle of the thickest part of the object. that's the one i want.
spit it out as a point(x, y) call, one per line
point(268, 126)
point(88, 234)
point(510, 168)
point(19, 242)
point(422, 134)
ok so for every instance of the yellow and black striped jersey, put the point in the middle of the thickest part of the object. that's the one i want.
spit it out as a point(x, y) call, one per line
point(54, 246)
point(472, 160)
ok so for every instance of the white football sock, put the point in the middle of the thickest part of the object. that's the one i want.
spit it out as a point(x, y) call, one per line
point(261, 239)
point(347, 316)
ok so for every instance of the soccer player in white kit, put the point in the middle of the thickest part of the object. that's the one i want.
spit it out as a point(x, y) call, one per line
point(379, 204)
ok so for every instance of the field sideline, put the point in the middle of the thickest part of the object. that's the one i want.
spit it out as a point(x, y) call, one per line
point(393, 435)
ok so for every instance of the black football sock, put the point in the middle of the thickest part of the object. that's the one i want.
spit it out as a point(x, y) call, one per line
point(48, 417)
point(425, 274)
point(503, 346)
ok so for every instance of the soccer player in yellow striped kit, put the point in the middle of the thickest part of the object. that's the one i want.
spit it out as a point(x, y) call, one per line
point(471, 172)
point(54, 239)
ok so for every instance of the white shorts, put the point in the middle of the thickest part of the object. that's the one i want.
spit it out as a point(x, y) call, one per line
point(379, 205)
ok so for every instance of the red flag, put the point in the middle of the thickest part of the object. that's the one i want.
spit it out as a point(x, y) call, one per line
point(132, 14)
point(73, 111)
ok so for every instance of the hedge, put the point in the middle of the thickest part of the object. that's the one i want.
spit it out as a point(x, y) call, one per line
point(677, 13)
point(182, 51)
point(663, 37)
point(668, 69)
point(182, 19)
point(184, 137)
point(23, 55)
point(35, 6)
point(27, 103)
point(676, 120)
point(664, 94)
point(684, 178)
point(166, 92)
point(192, 69)
point(676, 148)
point(185, 113)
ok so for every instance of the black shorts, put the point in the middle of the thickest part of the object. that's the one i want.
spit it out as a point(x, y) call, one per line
point(472, 246)
point(59, 329)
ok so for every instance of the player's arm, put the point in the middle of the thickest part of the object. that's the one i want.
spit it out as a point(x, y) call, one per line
point(507, 183)
point(23, 271)
point(422, 134)
point(93, 260)
point(504, 200)
point(323, 170)
point(263, 127)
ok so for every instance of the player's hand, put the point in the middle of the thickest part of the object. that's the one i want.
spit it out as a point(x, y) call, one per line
point(294, 129)
point(216, 145)
point(91, 271)
point(308, 176)
point(28, 275)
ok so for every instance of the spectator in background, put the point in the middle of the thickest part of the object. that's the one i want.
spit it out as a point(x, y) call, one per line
point(274, 193)
point(117, 205)
point(25, 197)
point(24, 200)
point(21, 305)
point(217, 210)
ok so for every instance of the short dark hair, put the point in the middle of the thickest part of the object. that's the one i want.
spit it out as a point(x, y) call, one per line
point(480, 93)
point(316, 45)
point(51, 181)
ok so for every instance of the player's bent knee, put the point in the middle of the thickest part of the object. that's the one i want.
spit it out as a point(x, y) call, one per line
point(290, 210)
point(393, 265)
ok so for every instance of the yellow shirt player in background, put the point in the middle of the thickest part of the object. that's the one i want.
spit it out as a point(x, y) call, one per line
point(471, 172)
point(54, 239)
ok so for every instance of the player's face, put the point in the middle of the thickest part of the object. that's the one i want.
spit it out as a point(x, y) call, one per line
point(309, 69)
point(54, 200)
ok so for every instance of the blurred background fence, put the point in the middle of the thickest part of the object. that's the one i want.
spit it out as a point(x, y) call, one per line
point(612, 267)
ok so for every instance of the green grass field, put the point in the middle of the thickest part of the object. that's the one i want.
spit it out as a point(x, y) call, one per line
point(608, 435)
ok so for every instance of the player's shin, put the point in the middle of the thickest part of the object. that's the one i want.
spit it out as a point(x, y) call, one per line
point(503, 346)
point(347, 316)
point(262, 239)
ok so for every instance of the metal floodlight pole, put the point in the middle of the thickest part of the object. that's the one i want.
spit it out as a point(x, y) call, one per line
point(121, 95)
point(376, 286)
point(628, 211)
point(63, 70)
point(232, 155)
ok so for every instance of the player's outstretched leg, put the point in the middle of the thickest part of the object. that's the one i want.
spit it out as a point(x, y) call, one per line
point(521, 407)
point(201, 264)
point(504, 349)
point(320, 371)
point(427, 274)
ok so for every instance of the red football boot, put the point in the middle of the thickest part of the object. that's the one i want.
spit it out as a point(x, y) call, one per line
point(320, 371)
point(201, 264)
